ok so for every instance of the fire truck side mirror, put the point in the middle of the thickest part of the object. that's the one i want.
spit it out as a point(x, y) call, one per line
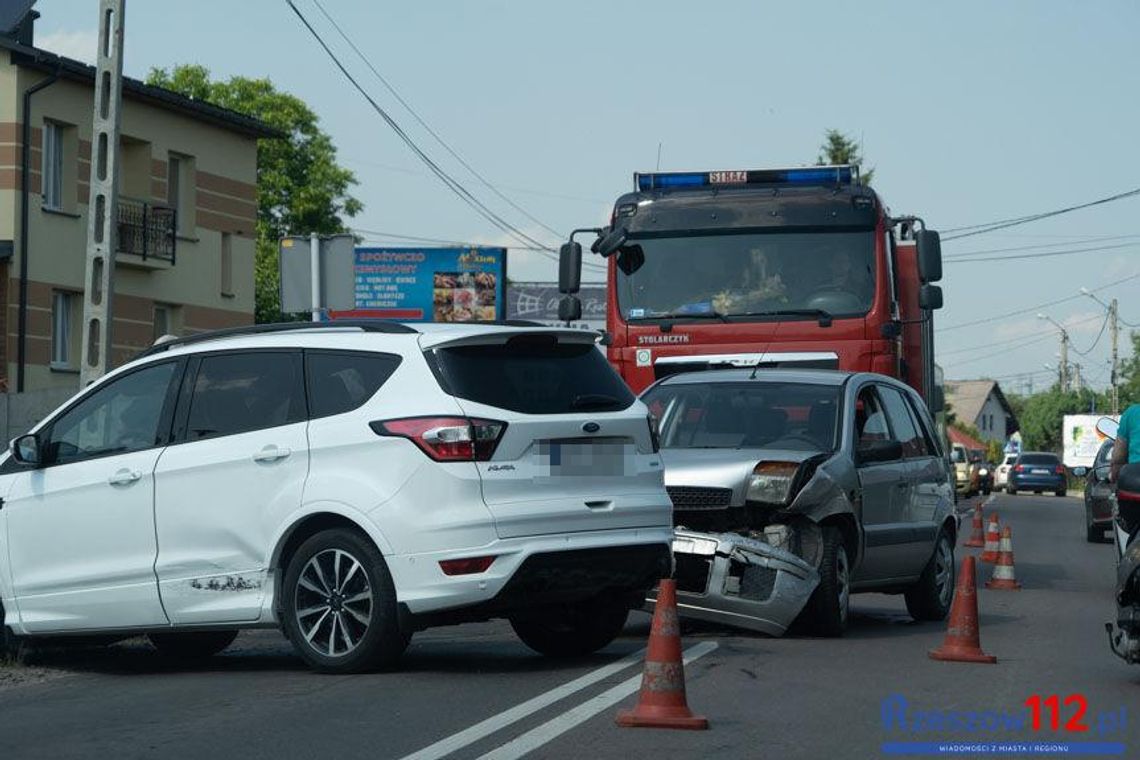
point(930, 297)
point(570, 269)
point(613, 240)
point(570, 309)
point(937, 400)
point(929, 255)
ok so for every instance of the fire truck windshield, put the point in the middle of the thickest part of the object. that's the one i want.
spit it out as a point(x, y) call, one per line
point(750, 273)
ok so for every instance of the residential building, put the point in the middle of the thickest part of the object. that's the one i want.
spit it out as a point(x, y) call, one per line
point(982, 404)
point(185, 221)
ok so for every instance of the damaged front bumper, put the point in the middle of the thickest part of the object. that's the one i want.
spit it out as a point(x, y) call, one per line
point(734, 580)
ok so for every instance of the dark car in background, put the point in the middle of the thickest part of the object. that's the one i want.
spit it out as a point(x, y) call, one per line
point(1100, 496)
point(1037, 471)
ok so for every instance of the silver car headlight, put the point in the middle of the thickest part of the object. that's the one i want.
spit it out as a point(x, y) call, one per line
point(772, 482)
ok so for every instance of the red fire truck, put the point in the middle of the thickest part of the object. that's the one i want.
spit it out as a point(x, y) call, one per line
point(763, 268)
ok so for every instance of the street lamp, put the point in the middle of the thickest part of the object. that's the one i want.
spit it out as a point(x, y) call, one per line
point(1064, 365)
point(1114, 330)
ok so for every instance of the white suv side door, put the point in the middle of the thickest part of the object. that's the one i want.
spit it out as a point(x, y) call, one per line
point(236, 468)
point(81, 537)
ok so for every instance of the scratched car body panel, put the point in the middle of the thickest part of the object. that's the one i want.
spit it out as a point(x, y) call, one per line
point(762, 467)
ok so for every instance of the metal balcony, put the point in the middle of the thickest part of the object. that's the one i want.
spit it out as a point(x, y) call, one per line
point(146, 230)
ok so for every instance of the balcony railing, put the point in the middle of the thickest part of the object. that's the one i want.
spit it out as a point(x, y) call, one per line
point(147, 230)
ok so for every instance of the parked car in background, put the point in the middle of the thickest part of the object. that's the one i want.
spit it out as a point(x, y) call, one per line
point(1100, 494)
point(349, 482)
point(1037, 471)
point(1001, 476)
point(793, 489)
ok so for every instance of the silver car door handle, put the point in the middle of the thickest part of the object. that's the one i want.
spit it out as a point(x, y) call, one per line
point(124, 476)
point(272, 454)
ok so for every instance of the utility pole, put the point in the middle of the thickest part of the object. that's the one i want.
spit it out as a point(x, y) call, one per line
point(1114, 328)
point(103, 203)
point(1063, 369)
point(1077, 378)
point(1064, 361)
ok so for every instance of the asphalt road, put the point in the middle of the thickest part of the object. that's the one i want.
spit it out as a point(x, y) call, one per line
point(476, 691)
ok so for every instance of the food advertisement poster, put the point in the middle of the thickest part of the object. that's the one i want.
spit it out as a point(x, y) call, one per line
point(429, 284)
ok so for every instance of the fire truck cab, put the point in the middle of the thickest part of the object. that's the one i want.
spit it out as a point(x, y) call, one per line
point(764, 268)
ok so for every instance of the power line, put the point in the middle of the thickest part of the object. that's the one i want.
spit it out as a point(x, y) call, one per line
point(1034, 246)
point(428, 129)
point(515, 188)
point(1040, 255)
point(452, 184)
point(1038, 307)
point(1099, 335)
point(1001, 224)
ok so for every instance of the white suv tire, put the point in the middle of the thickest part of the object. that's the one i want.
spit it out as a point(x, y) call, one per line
point(338, 604)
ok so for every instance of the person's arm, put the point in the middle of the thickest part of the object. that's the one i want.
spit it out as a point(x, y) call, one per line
point(1119, 457)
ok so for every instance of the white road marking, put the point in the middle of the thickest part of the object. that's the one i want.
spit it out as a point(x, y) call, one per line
point(485, 728)
point(554, 728)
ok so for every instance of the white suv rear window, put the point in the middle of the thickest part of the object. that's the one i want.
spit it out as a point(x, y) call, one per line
point(533, 374)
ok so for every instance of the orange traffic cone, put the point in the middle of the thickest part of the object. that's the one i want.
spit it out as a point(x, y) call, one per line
point(661, 703)
point(993, 540)
point(977, 538)
point(1003, 577)
point(961, 643)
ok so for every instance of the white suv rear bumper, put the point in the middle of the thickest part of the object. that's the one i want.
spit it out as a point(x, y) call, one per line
point(423, 587)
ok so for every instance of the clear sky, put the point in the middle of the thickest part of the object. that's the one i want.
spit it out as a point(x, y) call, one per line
point(969, 112)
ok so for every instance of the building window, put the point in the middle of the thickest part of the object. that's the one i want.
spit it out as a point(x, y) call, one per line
point(53, 165)
point(173, 174)
point(61, 315)
point(166, 319)
point(180, 191)
point(227, 278)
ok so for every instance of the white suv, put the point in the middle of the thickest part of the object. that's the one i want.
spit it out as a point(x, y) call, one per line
point(351, 483)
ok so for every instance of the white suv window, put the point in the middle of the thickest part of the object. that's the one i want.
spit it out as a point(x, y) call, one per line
point(340, 381)
point(122, 417)
point(239, 392)
point(533, 374)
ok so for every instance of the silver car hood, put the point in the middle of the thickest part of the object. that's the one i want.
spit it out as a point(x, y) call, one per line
point(722, 468)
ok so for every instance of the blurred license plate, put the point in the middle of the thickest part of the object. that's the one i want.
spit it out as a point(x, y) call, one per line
point(597, 458)
point(1040, 472)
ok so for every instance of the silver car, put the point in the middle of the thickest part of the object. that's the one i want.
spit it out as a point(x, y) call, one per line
point(792, 489)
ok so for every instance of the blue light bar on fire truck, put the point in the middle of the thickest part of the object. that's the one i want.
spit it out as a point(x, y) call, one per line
point(813, 175)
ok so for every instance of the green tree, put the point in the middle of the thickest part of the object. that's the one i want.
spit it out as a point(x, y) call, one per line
point(1042, 415)
point(1130, 375)
point(300, 186)
point(838, 148)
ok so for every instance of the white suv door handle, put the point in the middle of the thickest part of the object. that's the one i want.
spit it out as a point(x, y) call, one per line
point(124, 477)
point(272, 454)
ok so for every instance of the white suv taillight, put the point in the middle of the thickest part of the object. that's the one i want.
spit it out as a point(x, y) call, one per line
point(447, 439)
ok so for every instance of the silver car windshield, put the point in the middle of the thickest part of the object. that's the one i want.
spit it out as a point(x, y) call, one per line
point(753, 414)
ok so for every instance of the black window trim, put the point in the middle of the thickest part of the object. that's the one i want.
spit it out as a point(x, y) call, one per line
point(306, 352)
point(185, 396)
point(165, 418)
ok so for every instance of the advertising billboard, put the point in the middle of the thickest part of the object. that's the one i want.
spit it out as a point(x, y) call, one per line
point(1081, 439)
point(538, 302)
point(429, 284)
